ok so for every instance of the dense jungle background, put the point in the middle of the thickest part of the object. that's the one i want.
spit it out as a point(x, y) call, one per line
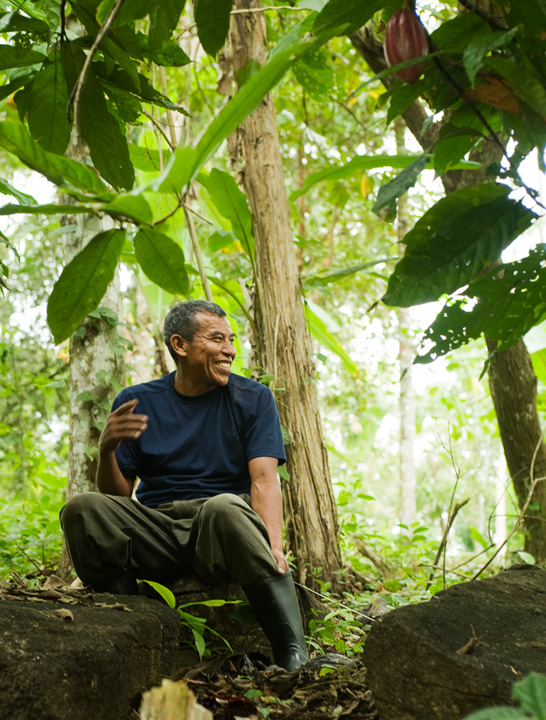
point(379, 247)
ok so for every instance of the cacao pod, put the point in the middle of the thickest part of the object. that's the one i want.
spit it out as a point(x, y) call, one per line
point(406, 38)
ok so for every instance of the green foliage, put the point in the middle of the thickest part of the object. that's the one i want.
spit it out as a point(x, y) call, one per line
point(531, 693)
point(454, 242)
point(83, 283)
point(196, 624)
point(162, 261)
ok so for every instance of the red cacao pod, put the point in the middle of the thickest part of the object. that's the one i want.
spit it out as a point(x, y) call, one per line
point(406, 38)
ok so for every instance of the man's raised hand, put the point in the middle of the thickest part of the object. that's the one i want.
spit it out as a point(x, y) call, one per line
point(122, 424)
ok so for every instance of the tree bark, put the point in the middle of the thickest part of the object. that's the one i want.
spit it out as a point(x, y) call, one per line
point(284, 345)
point(511, 376)
point(96, 367)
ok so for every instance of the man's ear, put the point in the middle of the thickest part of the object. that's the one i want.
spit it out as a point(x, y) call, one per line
point(180, 345)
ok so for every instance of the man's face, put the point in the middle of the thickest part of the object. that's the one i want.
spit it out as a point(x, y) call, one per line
point(208, 357)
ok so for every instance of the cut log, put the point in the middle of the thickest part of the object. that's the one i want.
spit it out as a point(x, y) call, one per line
point(461, 651)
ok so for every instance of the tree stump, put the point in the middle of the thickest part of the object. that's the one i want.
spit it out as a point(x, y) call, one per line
point(462, 650)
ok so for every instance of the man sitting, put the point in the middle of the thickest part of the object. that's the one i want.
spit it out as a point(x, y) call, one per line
point(205, 444)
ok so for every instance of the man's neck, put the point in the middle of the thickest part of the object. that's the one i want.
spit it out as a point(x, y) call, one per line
point(185, 386)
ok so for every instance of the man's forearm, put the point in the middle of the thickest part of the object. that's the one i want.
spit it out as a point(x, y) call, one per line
point(266, 499)
point(109, 477)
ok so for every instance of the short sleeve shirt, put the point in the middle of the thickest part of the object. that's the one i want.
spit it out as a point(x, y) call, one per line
point(198, 446)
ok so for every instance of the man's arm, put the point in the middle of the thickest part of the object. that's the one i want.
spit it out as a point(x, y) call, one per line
point(265, 492)
point(122, 424)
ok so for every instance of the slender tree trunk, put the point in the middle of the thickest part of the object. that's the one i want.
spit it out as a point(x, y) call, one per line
point(514, 391)
point(406, 399)
point(96, 368)
point(511, 376)
point(284, 344)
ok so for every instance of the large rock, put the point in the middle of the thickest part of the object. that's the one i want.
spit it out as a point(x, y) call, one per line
point(461, 651)
point(83, 662)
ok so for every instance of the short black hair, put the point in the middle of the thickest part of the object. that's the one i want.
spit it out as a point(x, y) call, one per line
point(181, 320)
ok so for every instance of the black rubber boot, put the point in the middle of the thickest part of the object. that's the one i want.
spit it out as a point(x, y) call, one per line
point(275, 605)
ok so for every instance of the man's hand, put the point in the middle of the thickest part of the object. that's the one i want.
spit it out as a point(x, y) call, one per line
point(280, 560)
point(122, 424)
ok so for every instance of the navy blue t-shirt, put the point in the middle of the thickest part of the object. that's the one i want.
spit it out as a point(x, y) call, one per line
point(198, 446)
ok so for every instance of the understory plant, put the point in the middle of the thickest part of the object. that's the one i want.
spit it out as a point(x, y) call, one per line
point(197, 625)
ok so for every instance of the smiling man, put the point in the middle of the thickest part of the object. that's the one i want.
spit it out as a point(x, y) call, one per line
point(205, 444)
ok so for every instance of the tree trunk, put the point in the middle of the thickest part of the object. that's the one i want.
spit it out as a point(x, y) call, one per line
point(511, 376)
point(96, 367)
point(284, 345)
point(514, 391)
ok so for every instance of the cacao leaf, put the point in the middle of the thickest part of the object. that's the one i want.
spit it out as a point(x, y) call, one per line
point(342, 17)
point(164, 15)
point(132, 207)
point(390, 192)
point(48, 209)
point(454, 241)
point(98, 127)
point(23, 198)
point(12, 57)
point(83, 283)
point(212, 19)
point(230, 117)
point(525, 83)
point(60, 170)
point(454, 35)
point(504, 304)
point(479, 47)
point(47, 103)
point(231, 203)
point(316, 75)
point(319, 330)
point(15, 22)
point(162, 261)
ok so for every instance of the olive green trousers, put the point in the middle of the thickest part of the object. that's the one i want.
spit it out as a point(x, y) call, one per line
point(220, 538)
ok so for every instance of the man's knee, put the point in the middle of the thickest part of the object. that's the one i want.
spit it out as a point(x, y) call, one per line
point(81, 506)
point(224, 509)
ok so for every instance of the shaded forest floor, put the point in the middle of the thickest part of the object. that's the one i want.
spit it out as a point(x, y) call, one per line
point(327, 687)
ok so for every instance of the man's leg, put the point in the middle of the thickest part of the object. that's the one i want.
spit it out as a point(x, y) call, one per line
point(113, 539)
point(231, 542)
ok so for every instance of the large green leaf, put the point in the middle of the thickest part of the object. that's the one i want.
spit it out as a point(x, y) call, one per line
point(212, 18)
point(130, 207)
point(62, 171)
point(162, 261)
point(246, 101)
point(454, 241)
point(47, 103)
point(107, 145)
point(49, 209)
point(365, 162)
point(324, 279)
point(390, 192)
point(479, 47)
point(504, 304)
point(164, 15)
point(7, 189)
point(12, 57)
point(345, 16)
point(15, 22)
point(322, 334)
point(231, 203)
point(83, 283)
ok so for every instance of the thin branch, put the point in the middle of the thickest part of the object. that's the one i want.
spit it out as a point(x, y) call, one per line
point(264, 9)
point(75, 96)
point(198, 255)
point(443, 543)
point(158, 125)
point(523, 512)
point(201, 217)
point(169, 215)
